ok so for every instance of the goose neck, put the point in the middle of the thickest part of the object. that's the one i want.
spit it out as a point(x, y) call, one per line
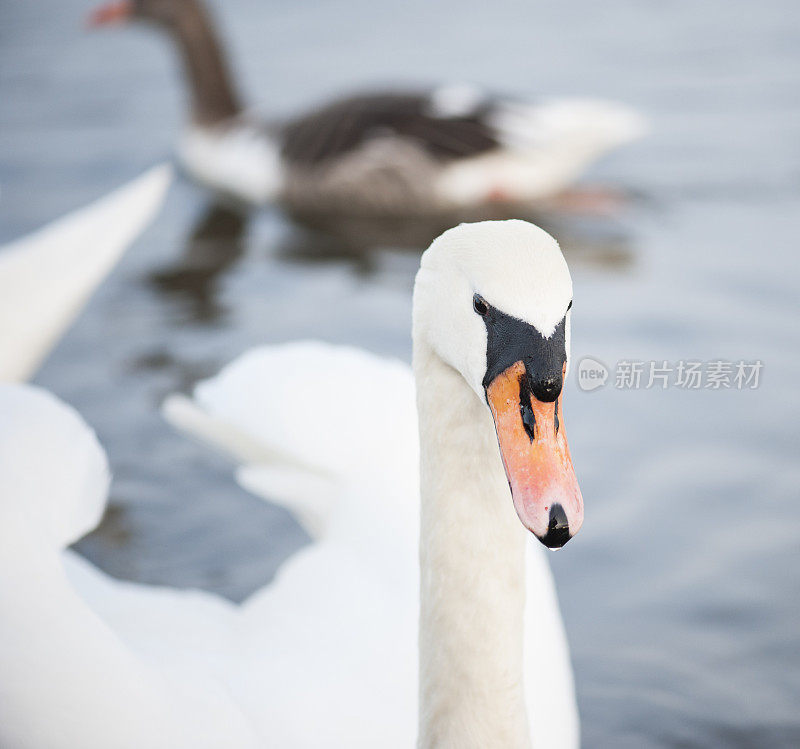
point(213, 95)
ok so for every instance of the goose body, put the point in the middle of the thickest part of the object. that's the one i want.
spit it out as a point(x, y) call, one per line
point(47, 277)
point(327, 653)
point(406, 153)
point(385, 152)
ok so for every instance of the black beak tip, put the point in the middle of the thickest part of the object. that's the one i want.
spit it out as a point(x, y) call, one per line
point(557, 529)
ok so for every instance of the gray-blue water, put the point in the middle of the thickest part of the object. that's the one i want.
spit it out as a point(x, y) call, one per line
point(681, 595)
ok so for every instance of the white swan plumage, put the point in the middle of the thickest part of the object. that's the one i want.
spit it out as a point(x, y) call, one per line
point(326, 654)
point(46, 277)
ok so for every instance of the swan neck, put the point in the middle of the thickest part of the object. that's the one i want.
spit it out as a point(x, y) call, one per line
point(213, 95)
point(472, 587)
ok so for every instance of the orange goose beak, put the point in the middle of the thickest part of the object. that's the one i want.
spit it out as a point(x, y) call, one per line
point(110, 14)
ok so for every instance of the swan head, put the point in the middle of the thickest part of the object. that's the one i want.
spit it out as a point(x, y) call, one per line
point(492, 300)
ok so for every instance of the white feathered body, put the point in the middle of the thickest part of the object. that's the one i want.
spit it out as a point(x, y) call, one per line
point(323, 656)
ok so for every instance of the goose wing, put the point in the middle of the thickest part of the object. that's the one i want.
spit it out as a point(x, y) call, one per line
point(449, 123)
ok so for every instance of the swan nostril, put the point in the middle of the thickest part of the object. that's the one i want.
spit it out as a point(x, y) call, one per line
point(557, 529)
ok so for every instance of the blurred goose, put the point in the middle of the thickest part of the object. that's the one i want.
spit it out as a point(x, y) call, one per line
point(47, 277)
point(327, 653)
point(379, 152)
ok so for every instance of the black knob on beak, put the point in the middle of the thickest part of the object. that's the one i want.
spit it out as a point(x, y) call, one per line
point(546, 389)
point(557, 529)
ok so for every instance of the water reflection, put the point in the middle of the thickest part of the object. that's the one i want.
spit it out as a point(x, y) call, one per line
point(586, 236)
point(183, 373)
point(214, 245)
point(217, 242)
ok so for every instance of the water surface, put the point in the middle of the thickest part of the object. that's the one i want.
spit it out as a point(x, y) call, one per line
point(681, 594)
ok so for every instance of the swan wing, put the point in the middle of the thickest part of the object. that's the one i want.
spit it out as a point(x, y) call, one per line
point(67, 679)
point(47, 277)
point(303, 417)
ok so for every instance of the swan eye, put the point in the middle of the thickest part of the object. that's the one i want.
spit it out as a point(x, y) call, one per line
point(479, 305)
point(569, 306)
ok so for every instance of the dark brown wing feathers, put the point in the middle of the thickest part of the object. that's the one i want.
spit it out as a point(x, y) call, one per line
point(347, 124)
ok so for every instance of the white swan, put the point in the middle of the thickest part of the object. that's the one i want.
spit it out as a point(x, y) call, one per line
point(326, 655)
point(47, 277)
point(451, 147)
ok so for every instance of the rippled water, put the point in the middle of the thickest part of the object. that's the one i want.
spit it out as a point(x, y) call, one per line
point(681, 594)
